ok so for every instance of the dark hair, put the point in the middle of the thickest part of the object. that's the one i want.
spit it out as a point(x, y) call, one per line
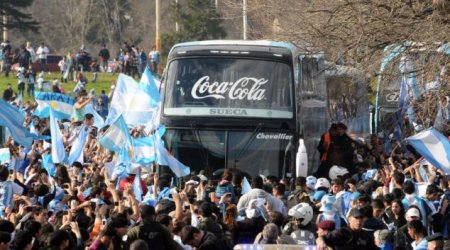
point(21, 240)
point(41, 190)
point(399, 177)
point(6, 226)
point(187, 233)
point(58, 237)
point(432, 189)
point(5, 237)
point(402, 208)
point(280, 188)
point(388, 198)
point(398, 193)
point(337, 181)
point(164, 219)
point(409, 187)
point(62, 174)
point(417, 226)
point(227, 174)
point(139, 245)
point(32, 227)
point(377, 203)
point(367, 211)
point(276, 218)
point(88, 116)
point(4, 172)
point(257, 182)
point(119, 221)
point(205, 209)
point(77, 164)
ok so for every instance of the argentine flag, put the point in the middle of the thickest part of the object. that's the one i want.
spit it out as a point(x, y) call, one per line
point(148, 85)
point(76, 151)
point(144, 150)
point(58, 150)
point(12, 118)
point(132, 100)
point(5, 156)
point(166, 159)
point(117, 136)
point(61, 104)
point(434, 147)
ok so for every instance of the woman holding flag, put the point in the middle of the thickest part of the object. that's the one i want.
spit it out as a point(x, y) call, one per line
point(78, 108)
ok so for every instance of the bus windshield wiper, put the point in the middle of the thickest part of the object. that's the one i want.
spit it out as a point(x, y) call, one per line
point(247, 144)
point(203, 154)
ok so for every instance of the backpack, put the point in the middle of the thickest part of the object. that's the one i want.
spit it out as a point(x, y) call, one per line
point(303, 237)
point(297, 197)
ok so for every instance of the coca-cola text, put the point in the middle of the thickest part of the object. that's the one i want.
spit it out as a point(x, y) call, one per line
point(244, 88)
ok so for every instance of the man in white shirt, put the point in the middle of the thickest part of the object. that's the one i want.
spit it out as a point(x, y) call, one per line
point(42, 53)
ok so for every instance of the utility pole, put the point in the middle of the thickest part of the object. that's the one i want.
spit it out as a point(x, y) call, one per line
point(216, 4)
point(244, 19)
point(157, 38)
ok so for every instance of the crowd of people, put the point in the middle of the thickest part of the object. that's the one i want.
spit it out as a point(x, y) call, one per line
point(130, 60)
point(384, 201)
point(364, 195)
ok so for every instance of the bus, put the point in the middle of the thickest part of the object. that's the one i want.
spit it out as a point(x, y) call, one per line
point(237, 104)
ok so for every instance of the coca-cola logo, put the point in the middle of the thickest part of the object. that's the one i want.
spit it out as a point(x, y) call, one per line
point(244, 88)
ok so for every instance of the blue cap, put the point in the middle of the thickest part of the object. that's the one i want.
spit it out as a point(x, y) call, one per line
point(318, 195)
point(151, 202)
point(355, 196)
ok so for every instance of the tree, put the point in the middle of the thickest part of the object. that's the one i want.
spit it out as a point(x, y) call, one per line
point(12, 12)
point(198, 20)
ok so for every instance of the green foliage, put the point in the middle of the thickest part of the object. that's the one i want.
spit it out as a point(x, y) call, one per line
point(16, 18)
point(198, 20)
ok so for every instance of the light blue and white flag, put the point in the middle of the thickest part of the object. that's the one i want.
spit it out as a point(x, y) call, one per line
point(5, 156)
point(58, 150)
point(144, 150)
point(117, 136)
point(76, 152)
point(98, 120)
point(245, 186)
point(12, 118)
point(129, 100)
point(61, 104)
point(434, 147)
point(137, 187)
point(47, 164)
point(148, 85)
point(166, 159)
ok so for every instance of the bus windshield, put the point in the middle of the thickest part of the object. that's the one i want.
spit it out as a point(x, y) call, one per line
point(223, 86)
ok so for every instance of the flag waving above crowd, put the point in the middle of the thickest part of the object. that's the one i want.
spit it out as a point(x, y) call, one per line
point(134, 105)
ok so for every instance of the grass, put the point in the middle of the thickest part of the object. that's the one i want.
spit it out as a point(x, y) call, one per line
point(104, 82)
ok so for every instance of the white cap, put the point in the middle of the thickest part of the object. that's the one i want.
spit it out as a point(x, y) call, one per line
point(336, 171)
point(202, 177)
point(322, 182)
point(412, 212)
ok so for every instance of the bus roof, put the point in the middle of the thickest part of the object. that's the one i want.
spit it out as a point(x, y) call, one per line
point(264, 43)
